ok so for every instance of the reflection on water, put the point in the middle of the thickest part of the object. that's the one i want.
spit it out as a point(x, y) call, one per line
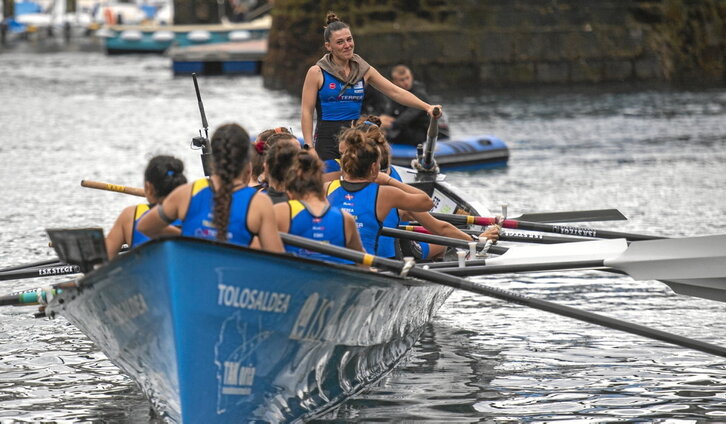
point(658, 155)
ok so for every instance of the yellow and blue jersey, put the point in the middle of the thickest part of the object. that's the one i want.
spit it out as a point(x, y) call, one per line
point(329, 227)
point(199, 219)
point(137, 237)
point(361, 203)
point(387, 245)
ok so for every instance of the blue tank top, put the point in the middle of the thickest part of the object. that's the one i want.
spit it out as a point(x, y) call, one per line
point(334, 105)
point(387, 245)
point(137, 237)
point(328, 228)
point(362, 205)
point(198, 221)
point(331, 165)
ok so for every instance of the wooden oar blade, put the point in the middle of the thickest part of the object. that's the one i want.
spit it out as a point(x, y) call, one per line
point(563, 252)
point(574, 216)
point(674, 259)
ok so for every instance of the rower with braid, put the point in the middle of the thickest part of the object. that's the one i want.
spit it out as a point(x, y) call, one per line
point(222, 207)
point(162, 175)
point(309, 214)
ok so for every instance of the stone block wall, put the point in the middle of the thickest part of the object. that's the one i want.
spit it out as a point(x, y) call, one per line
point(511, 42)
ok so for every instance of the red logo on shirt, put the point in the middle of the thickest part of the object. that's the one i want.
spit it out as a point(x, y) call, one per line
point(332, 86)
point(349, 196)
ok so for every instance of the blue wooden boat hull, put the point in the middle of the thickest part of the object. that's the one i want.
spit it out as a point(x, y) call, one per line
point(216, 333)
point(467, 154)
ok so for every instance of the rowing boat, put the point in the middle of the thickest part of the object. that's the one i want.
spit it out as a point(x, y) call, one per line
point(214, 332)
point(464, 154)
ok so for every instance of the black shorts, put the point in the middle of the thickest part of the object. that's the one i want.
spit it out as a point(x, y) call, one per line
point(326, 138)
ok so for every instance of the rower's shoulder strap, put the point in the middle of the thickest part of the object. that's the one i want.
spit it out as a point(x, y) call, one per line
point(140, 210)
point(296, 207)
point(334, 185)
point(199, 185)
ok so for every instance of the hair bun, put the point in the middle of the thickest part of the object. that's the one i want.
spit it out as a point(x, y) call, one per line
point(331, 17)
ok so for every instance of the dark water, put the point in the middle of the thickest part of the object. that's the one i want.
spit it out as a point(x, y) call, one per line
point(658, 155)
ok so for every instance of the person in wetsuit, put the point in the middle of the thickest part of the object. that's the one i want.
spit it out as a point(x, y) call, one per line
point(162, 175)
point(223, 207)
point(407, 125)
point(334, 89)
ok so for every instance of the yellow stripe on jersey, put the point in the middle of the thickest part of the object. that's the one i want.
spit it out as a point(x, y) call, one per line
point(295, 207)
point(140, 210)
point(334, 185)
point(199, 185)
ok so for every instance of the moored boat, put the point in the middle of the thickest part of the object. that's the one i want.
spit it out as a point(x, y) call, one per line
point(157, 39)
point(466, 154)
point(235, 57)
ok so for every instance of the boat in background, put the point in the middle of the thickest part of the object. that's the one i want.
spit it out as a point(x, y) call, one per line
point(466, 154)
point(157, 39)
point(231, 58)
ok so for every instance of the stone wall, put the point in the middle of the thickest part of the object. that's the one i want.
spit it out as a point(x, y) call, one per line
point(511, 42)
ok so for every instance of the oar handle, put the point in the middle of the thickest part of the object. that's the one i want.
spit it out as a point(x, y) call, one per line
point(536, 226)
point(440, 240)
point(431, 135)
point(113, 187)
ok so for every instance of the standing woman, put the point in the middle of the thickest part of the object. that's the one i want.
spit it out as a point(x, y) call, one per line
point(334, 88)
point(309, 214)
point(226, 210)
point(162, 175)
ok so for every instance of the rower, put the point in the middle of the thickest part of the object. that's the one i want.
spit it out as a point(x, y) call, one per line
point(334, 90)
point(223, 207)
point(278, 159)
point(261, 145)
point(309, 214)
point(162, 175)
point(368, 194)
point(387, 247)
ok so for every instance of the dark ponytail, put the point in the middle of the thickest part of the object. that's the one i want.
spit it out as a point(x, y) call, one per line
point(305, 176)
point(333, 23)
point(360, 153)
point(230, 150)
point(164, 173)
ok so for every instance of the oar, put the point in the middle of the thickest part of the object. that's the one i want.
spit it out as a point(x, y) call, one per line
point(536, 226)
point(29, 297)
point(32, 265)
point(524, 237)
point(463, 284)
point(440, 240)
point(113, 187)
point(40, 272)
point(573, 216)
point(690, 258)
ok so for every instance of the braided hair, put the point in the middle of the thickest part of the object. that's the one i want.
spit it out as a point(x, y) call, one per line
point(164, 173)
point(305, 176)
point(230, 151)
point(360, 154)
point(333, 23)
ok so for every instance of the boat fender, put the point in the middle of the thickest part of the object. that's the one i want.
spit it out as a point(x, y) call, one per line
point(199, 36)
point(240, 35)
point(163, 36)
